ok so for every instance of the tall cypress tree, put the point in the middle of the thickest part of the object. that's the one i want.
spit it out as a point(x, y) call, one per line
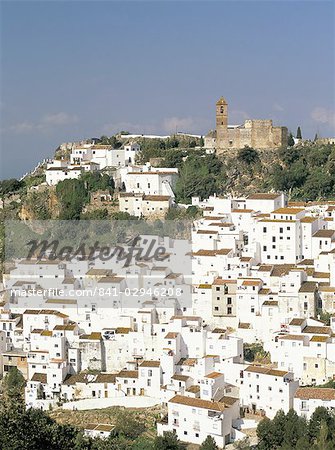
point(299, 135)
point(290, 140)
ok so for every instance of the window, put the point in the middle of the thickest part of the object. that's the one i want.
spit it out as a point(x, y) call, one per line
point(264, 229)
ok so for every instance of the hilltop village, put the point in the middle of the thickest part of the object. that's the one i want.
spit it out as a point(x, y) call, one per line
point(237, 320)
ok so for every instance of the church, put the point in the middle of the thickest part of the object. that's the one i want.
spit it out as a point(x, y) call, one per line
point(258, 134)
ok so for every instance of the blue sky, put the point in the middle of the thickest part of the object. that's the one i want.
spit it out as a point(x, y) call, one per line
point(71, 70)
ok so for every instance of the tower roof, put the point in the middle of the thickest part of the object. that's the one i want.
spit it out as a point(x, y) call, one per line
point(221, 101)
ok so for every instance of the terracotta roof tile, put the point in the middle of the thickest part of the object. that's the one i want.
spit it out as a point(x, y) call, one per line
point(199, 403)
point(315, 393)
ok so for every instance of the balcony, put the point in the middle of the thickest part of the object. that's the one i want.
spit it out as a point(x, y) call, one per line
point(215, 415)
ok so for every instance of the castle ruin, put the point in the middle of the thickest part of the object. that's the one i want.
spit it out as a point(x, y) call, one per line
point(259, 134)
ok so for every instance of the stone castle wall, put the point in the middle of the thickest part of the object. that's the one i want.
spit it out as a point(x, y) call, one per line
point(259, 134)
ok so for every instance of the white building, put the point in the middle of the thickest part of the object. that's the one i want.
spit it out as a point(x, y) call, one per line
point(306, 400)
point(266, 389)
point(193, 419)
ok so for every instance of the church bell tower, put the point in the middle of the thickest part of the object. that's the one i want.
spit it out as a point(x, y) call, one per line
point(221, 123)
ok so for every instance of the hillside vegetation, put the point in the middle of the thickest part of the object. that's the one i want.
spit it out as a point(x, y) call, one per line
point(305, 173)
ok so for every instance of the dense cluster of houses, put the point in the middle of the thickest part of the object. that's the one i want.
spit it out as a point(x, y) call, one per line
point(89, 157)
point(262, 271)
point(143, 190)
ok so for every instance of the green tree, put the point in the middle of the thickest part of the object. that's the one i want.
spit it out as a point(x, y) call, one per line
point(295, 428)
point(173, 158)
point(290, 140)
point(143, 443)
point(278, 424)
point(318, 185)
point(209, 444)
point(169, 441)
point(114, 443)
point(72, 196)
point(302, 443)
point(322, 441)
point(248, 156)
point(95, 181)
point(10, 186)
point(198, 177)
point(123, 215)
point(299, 135)
point(33, 429)
point(97, 214)
point(265, 434)
point(319, 416)
point(128, 425)
point(37, 203)
point(242, 444)
point(83, 442)
point(13, 385)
